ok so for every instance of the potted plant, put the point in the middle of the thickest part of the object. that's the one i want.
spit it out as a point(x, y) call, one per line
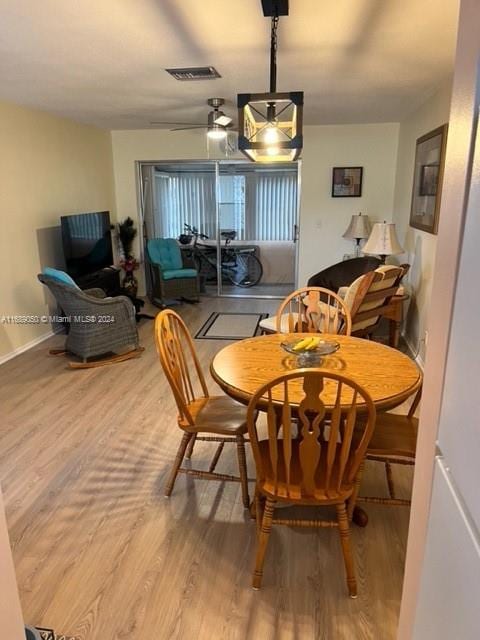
point(127, 234)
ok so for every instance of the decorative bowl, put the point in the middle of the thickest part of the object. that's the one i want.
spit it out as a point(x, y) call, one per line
point(312, 356)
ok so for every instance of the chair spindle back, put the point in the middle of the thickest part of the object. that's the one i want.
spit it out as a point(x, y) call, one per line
point(314, 310)
point(179, 361)
point(329, 456)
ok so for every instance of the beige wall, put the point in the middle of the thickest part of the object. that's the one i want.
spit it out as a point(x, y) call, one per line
point(420, 247)
point(49, 166)
point(149, 145)
point(323, 218)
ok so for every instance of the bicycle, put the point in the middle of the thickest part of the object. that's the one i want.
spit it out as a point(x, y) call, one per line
point(238, 265)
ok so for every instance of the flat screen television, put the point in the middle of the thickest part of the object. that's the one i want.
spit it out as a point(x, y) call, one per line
point(87, 242)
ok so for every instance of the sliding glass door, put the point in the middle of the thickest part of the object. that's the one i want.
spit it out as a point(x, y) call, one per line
point(236, 221)
point(257, 217)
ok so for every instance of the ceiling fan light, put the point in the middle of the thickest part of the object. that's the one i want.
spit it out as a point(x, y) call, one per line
point(216, 133)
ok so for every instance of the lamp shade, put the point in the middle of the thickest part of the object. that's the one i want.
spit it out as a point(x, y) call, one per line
point(383, 240)
point(358, 228)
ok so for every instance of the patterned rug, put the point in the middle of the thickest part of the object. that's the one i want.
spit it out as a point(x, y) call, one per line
point(231, 326)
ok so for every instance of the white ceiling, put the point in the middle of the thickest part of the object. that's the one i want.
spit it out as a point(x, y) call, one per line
point(102, 61)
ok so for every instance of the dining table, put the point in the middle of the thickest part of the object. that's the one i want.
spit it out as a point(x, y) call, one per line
point(389, 376)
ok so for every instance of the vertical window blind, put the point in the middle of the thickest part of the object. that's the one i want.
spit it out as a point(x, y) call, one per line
point(185, 198)
point(258, 205)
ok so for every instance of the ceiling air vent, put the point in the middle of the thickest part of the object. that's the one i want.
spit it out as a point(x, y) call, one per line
point(194, 73)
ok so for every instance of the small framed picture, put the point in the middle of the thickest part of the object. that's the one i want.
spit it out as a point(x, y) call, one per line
point(427, 180)
point(347, 182)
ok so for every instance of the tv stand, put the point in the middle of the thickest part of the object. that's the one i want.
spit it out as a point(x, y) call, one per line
point(107, 279)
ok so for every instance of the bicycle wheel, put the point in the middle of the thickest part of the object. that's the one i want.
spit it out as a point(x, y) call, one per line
point(246, 271)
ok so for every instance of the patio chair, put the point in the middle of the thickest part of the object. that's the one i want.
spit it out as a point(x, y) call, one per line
point(370, 295)
point(98, 326)
point(170, 278)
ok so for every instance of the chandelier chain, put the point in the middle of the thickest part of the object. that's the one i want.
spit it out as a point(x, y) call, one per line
point(273, 54)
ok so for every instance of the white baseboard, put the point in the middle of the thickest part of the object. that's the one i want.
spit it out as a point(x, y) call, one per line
point(413, 350)
point(26, 347)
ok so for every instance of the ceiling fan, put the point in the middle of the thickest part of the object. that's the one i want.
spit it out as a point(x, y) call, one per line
point(218, 124)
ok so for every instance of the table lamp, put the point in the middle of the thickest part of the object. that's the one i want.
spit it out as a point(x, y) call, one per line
point(383, 241)
point(358, 229)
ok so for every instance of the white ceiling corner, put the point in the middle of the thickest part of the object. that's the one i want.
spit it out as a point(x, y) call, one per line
point(103, 62)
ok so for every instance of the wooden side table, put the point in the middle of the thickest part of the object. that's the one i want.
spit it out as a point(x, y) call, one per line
point(394, 314)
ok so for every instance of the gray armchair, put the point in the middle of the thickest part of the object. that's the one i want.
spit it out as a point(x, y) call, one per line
point(98, 325)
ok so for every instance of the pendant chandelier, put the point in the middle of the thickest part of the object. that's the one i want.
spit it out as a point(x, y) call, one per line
point(270, 124)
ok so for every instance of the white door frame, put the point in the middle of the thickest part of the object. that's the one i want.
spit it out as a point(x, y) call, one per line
point(458, 165)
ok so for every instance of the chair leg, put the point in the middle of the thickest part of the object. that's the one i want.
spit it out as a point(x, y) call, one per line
point(191, 444)
point(356, 490)
point(176, 465)
point(242, 466)
point(259, 509)
point(344, 531)
point(262, 543)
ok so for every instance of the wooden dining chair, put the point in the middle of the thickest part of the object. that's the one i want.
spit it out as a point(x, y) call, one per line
point(394, 441)
point(310, 310)
point(310, 461)
point(223, 419)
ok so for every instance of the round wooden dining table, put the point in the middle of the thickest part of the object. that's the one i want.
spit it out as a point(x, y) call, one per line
point(388, 375)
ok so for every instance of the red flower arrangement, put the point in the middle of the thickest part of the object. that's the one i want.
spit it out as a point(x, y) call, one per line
point(129, 265)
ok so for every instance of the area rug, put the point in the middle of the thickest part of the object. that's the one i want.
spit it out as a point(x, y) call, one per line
point(49, 634)
point(231, 326)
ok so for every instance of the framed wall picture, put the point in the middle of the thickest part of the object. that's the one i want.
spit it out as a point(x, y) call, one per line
point(347, 182)
point(427, 180)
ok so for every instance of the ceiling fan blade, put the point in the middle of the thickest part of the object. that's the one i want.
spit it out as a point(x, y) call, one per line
point(180, 124)
point(197, 126)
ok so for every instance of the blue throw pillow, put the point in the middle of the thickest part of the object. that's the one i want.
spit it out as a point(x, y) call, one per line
point(61, 276)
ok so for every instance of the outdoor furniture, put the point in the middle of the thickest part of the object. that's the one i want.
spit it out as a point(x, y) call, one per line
point(312, 310)
point(219, 416)
point(369, 297)
point(97, 325)
point(170, 278)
